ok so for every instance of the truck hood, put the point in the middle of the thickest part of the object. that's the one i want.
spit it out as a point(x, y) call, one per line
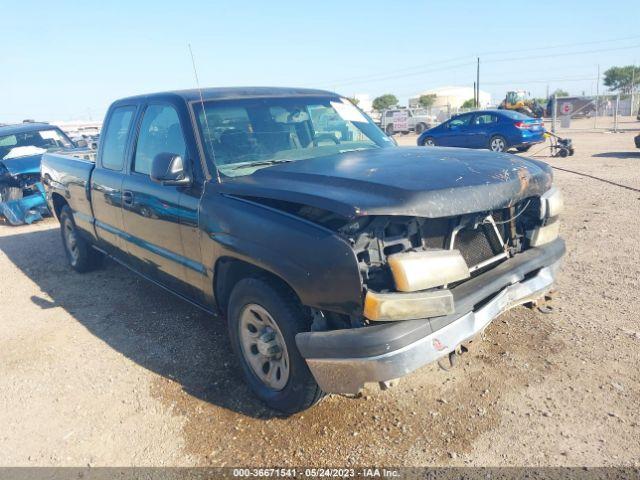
point(415, 181)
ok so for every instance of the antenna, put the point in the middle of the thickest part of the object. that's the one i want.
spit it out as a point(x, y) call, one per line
point(206, 120)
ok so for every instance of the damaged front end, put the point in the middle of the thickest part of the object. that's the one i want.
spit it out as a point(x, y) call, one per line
point(431, 284)
point(22, 197)
point(409, 265)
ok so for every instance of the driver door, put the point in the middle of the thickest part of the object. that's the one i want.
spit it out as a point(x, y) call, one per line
point(456, 133)
point(152, 212)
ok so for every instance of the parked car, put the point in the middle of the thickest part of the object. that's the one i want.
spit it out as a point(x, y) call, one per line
point(497, 130)
point(405, 120)
point(21, 148)
point(637, 140)
point(337, 259)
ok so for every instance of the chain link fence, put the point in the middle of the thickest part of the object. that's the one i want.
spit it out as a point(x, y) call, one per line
point(612, 112)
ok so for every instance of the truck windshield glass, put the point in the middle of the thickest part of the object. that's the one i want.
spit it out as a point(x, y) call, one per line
point(32, 143)
point(244, 135)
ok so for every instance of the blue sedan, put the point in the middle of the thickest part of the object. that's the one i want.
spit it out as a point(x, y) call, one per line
point(497, 130)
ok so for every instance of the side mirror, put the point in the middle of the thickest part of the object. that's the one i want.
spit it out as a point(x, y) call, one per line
point(168, 169)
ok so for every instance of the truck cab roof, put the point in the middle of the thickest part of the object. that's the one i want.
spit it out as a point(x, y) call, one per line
point(227, 93)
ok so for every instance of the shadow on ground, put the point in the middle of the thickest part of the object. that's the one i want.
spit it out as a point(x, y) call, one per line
point(623, 155)
point(138, 319)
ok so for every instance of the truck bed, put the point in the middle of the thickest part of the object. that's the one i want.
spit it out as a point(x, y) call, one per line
point(69, 175)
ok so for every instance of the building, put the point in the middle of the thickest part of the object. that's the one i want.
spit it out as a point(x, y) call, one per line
point(452, 98)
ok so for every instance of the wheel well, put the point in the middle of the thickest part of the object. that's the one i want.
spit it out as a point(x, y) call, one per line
point(58, 202)
point(229, 271)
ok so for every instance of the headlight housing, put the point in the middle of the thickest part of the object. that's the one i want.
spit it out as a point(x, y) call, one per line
point(413, 271)
point(383, 307)
point(551, 203)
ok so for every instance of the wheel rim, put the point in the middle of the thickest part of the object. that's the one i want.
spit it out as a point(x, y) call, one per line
point(71, 242)
point(497, 145)
point(429, 142)
point(263, 346)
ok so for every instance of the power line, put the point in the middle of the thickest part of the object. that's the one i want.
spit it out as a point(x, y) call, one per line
point(564, 79)
point(418, 69)
point(392, 77)
point(564, 45)
point(566, 54)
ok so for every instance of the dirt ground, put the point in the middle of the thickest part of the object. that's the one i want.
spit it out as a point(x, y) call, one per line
point(106, 369)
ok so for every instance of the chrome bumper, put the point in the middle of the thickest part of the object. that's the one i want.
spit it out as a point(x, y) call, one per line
point(348, 375)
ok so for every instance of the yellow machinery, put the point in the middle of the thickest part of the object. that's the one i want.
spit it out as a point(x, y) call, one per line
point(519, 101)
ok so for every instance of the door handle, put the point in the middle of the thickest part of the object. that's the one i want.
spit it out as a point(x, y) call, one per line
point(127, 198)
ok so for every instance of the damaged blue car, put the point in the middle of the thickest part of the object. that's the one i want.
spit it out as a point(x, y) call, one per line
point(21, 148)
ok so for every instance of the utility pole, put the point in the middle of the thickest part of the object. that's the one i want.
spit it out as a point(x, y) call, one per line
point(475, 95)
point(595, 120)
point(633, 86)
point(478, 84)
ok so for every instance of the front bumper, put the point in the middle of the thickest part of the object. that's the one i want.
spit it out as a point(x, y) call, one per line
point(342, 361)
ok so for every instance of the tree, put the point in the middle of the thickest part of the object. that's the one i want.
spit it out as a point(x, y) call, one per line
point(427, 101)
point(384, 101)
point(354, 100)
point(469, 103)
point(558, 92)
point(620, 79)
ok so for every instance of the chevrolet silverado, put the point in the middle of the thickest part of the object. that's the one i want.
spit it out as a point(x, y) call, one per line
point(336, 257)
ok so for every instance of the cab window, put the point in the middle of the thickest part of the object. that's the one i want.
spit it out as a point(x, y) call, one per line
point(115, 138)
point(160, 132)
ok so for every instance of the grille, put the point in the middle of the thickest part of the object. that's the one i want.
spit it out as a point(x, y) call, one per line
point(478, 245)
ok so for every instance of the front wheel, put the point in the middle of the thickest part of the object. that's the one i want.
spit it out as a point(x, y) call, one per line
point(264, 319)
point(81, 256)
point(421, 127)
point(389, 129)
point(429, 142)
point(497, 144)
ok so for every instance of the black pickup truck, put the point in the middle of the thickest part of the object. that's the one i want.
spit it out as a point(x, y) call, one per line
point(336, 257)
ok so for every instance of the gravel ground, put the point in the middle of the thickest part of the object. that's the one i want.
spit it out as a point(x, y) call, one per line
point(106, 369)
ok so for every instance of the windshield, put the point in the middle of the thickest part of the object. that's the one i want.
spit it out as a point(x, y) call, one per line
point(32, 143)
point(243, 135)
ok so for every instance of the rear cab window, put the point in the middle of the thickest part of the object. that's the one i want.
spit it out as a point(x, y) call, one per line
point(115, 138)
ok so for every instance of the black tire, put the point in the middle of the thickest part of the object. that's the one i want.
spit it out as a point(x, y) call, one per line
point(429, 142)
point(389, 129)
point(497, 140)
point(523, 149)
point(80, 255)
point(421, 127)
point(301, 390)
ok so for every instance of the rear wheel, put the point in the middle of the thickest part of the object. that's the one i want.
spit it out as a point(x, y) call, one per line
point(264, 318)
point(81, 256)
point(497, 143)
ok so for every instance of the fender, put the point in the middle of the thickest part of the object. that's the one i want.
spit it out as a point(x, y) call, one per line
point(316, 263)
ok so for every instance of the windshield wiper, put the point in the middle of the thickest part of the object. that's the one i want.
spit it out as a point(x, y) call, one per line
point(259, 164)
